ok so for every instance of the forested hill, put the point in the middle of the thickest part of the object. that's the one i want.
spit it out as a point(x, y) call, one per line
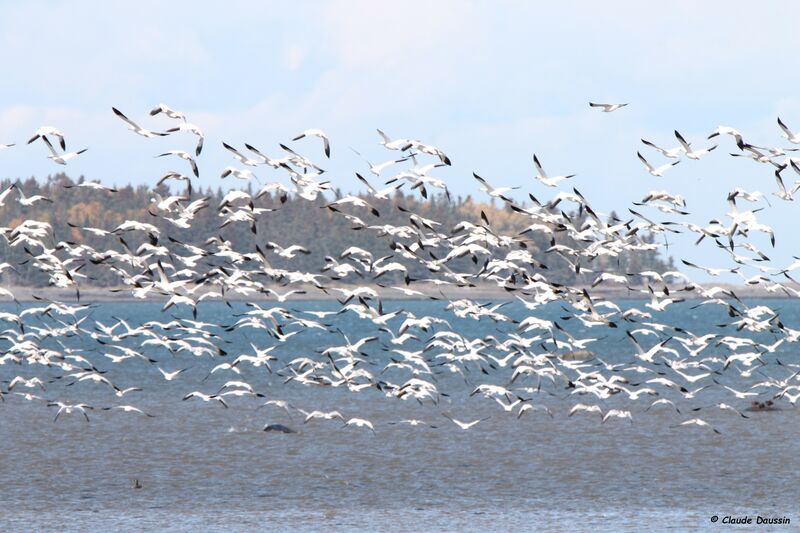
point(295, 221)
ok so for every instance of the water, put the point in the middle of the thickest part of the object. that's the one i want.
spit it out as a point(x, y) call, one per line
point(204, 467)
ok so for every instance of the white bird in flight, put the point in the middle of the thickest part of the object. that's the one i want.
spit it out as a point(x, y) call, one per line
point(687, 148)
point(658, 172)
point(361, 423)
point(165, 109)
point(61, 159)
point(607, 108)
point(618, 413)
point(129, 409)
point(29, 201)
point(317, 133)
point(68, 409)
point(239, 157)
point(672, 153)
point(464, 425)
point(186, 156)
point(194, 130)
point(49, 130)
point(135, 127)
point(789, 134)
point(542, 176)
point(699, 422)
point(169, 376)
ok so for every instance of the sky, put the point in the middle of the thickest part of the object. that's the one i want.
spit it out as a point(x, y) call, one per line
point(490, 83)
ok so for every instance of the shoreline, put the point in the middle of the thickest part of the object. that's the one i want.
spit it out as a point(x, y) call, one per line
point(26, 294)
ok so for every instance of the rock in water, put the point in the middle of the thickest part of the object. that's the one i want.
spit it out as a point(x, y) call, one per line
point(279, 428)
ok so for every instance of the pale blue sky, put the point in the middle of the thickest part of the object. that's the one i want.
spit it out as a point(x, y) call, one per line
point(489, 83)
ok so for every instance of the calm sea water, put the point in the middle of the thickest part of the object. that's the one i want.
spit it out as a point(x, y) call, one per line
point(207, 468)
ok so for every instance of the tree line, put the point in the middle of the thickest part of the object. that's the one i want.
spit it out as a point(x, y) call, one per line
point(293, 221)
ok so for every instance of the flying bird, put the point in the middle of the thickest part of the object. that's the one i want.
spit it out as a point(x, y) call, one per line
point(52, 131)
point(542, 176)
point(788, 134)
point(135, 127)
point(316, 133)
point(658, 172)
point(607, 108)
point(687, 148)
point(464, 425)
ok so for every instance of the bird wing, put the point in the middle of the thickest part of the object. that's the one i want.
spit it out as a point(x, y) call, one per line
point(651, 145)
point(538, 166)
point(786, 130)
point(123, 117)
point(662, 168)
point(682, 141)
point(643, 160)
point(49, 146)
